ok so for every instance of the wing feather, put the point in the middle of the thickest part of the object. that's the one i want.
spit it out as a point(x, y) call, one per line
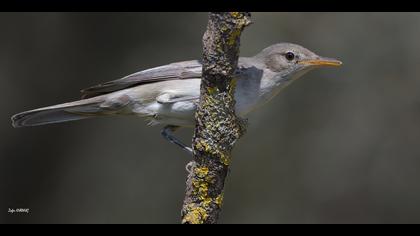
point(174, 71)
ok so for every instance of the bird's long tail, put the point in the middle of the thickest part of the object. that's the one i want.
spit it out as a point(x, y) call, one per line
point(77, 110)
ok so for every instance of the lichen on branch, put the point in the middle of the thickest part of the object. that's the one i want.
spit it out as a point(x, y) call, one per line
point(217, 126)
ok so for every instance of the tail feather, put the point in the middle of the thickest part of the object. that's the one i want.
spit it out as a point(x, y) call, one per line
point(59, 113)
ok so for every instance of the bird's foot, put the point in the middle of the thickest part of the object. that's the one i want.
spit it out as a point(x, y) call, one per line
point(167, 133)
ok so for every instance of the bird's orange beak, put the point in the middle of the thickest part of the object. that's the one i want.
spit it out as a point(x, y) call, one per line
point(322, 61)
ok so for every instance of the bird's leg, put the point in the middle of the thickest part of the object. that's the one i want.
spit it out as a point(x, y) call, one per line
point(167, 133)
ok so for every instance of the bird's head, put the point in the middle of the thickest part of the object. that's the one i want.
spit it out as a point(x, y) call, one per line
point(291, 61)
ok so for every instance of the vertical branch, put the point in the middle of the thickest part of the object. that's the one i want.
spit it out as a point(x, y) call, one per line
point(217, 126)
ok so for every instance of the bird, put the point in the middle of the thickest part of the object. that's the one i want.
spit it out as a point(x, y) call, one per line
point(169, 94)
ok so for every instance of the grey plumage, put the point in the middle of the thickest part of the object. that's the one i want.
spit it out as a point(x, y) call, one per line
point(174, 71)
point(169, 94)
point(58, 113)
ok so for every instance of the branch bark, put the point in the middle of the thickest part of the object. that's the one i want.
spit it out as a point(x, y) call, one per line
point(217, 126)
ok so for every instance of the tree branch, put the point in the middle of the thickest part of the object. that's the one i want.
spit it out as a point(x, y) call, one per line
point(217, 126)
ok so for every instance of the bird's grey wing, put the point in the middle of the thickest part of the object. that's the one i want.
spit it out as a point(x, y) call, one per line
point(174, 71)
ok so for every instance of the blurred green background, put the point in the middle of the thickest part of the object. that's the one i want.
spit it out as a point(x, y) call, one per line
point(340, 145)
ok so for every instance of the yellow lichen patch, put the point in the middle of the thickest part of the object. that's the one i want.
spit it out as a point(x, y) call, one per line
point(206, 202)
point(224, 159)
point(234, 35)
point(201, 189)
point(219, 200)
point(235, 14)
point(211, 90)
point(232, 85)
point(198, 146)
point(203, 146)
point(201, 172)
point(242, 19)
point(195, 214)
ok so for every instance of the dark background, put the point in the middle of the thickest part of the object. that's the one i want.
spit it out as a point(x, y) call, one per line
point(340, 145)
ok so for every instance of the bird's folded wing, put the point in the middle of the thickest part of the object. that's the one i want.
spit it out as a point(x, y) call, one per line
point(174, 71)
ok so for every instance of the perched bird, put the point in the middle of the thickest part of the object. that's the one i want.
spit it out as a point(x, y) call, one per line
point(169, 94)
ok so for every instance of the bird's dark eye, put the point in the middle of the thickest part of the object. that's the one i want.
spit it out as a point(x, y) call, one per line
point(289, 56)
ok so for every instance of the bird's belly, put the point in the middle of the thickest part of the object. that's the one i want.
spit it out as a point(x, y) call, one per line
point(178, 113)
point(182, 113)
